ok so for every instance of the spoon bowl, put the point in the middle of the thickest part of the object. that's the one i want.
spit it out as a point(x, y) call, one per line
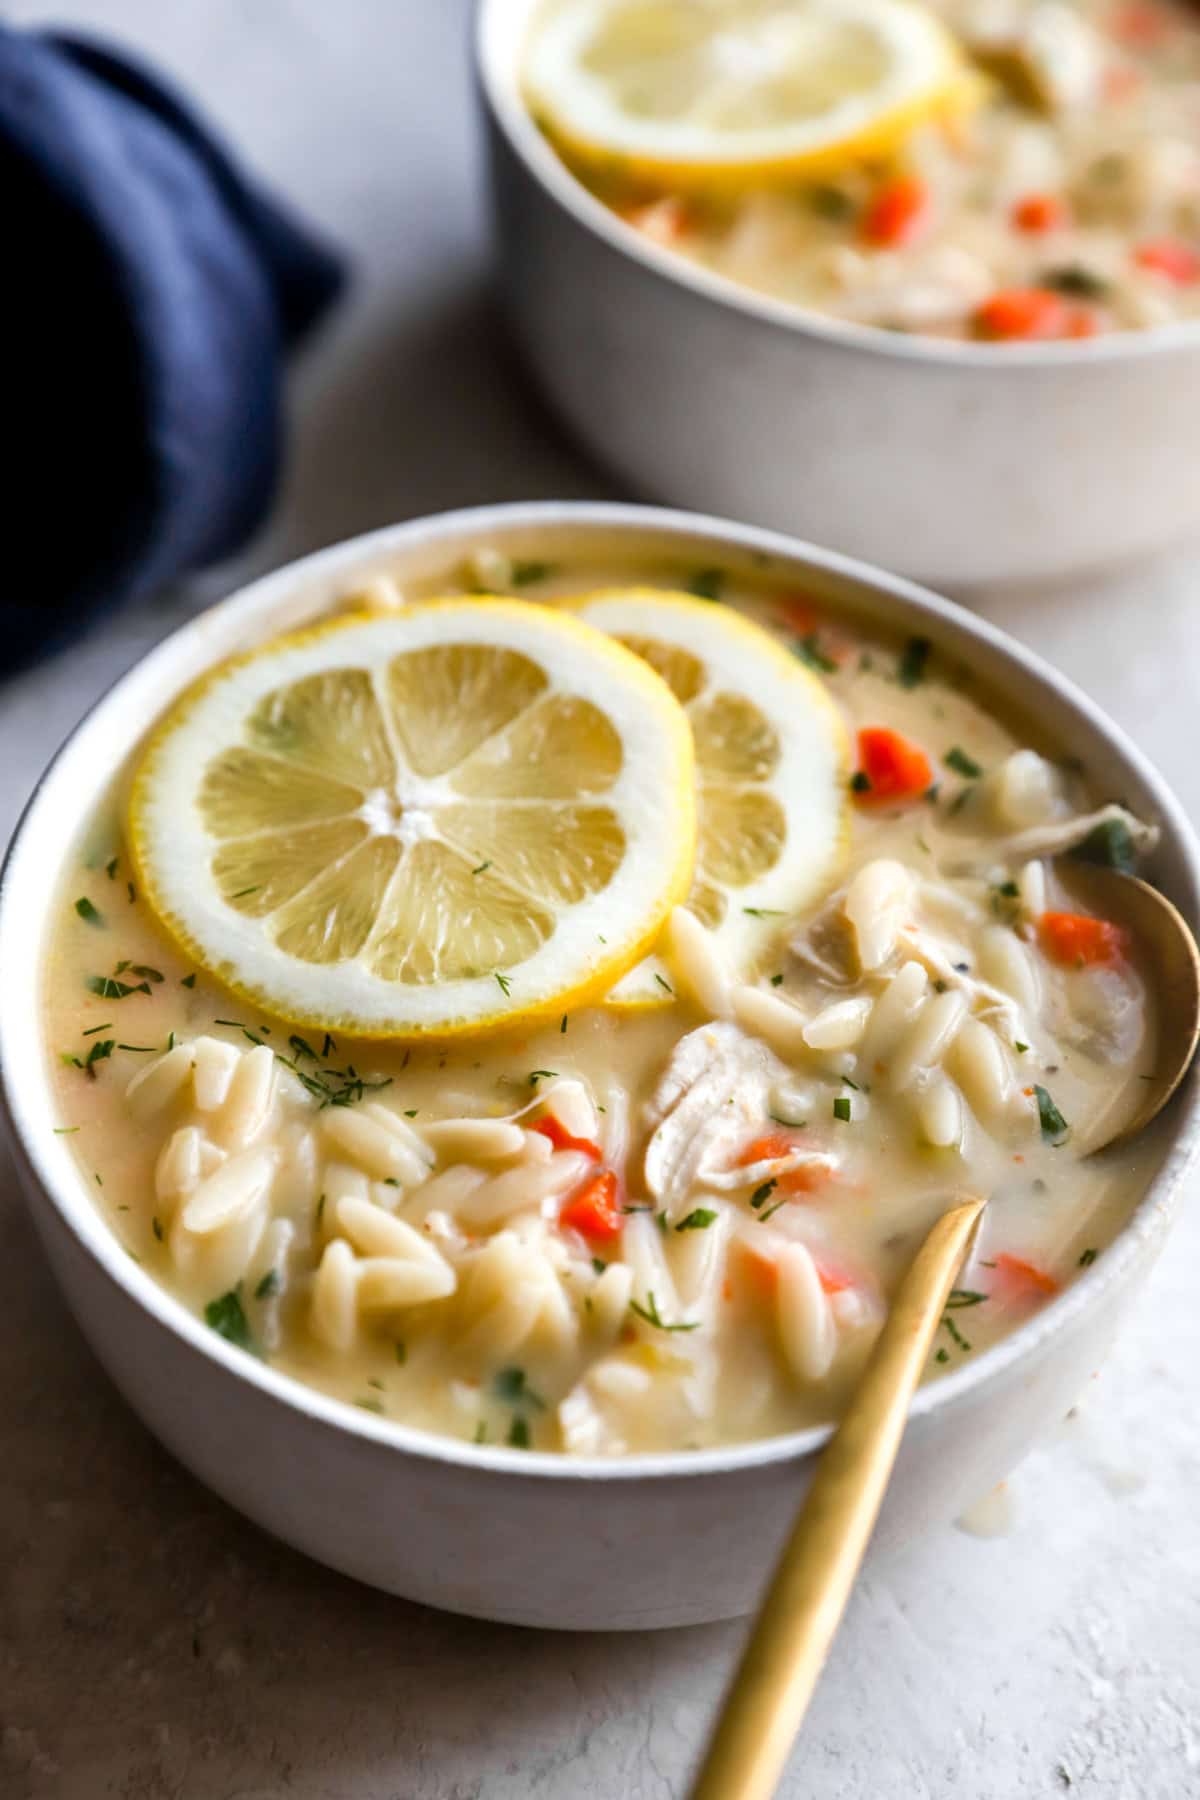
point(1172, 960)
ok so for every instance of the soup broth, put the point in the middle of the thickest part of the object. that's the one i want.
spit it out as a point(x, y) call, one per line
point(663, 1226)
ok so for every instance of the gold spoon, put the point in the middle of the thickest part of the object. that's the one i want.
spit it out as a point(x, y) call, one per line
point(807, 1594)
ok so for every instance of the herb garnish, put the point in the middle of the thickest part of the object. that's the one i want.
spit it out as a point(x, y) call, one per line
point(665, 985)
point(504, 983)
point(955, 1333)
point(331, 1087)
point(86, 910)
point(841, 1108)
point(482, 866)
point(189, 981)
point(960, 1297)
point(227, 1318)
point(511, 1386)
point(1074, 278)
point(763, 1193)
point(110, 988)
point(525, 573)
point(1111, 845)
point(957, 759)
point(542, 1075)
point(1087, 1258)
point(699, 1219)
point(652, 1316)
point(706, 584)
point(762, 912)
point(911, 670)
point(860, 782)
point(809, 650)
point(401, 1350)
point(110, 868)
point(777, 980)
point(268, 1285)
point(563, 1024)
point(831, 203)
point(518, 1433)
point(1054, 1126)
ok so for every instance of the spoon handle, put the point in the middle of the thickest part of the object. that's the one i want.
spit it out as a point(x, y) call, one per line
point(812, 1580)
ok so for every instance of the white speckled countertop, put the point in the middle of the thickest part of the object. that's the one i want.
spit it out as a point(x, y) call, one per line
point(155, 1647)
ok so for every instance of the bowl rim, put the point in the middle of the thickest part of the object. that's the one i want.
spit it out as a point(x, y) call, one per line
point(494, 26)
point(26, 1097)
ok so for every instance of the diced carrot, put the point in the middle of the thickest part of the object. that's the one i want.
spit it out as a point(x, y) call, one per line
point(663, 221)
point(1021, 1280)
point(562, 1139)
point(1039, 212)
point(1076, 940)
point(1170, 257)
point(761, 1269)
point(1137, 23)
point(897, 213)
point(1081, 322)
point(893, 766)
point(595, 1209)
point(832, 1279)
point(799, 614)
point(776, 1144)
point(1023, 313)
point(1121, 81)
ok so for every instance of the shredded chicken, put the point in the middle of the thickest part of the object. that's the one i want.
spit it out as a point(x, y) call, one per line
point(712, 1095)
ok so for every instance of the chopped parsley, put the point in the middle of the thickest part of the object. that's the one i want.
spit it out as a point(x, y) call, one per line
point(1087, 1258)
point(189, 981)
point(110, 867)
point(110, 988)
point(504, 983)
point(563, 1024)
point(955, 1333)
point(841, 1108)
point(1019, 1047)
point(227, 1318)
point(832, 203)
point(957, 759)
point(1074, 278)
point(524, 574)
point(860, 782)
point(706, 584)
point(86, 910)
point(542, 1075)
point(960, 1297)
point(598, 1265)
point(777, 981)
point(1054, 1126)
point(652, 1316)
point(911, 669)
point(762, 912)
point(699, 1219)
point(518, 1433)
point(663, 983)
point(370, 1403)
point(242, 892)
point(511, 1386)
point(811, 654)
point(1111, 845)
point(401, 1351)
point(268, 1285)
point(156, 1228)
point(479, 869)
point(763, 1193)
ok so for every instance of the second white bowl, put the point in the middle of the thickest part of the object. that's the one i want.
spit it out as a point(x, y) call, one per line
point(960, 464)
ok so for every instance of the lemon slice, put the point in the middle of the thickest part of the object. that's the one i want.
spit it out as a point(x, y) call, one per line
point(772, 766)
point(448, 818)
point(696, 93)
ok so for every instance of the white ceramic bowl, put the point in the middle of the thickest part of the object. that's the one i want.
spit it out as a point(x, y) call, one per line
point(508, 1534)
point(957, 463)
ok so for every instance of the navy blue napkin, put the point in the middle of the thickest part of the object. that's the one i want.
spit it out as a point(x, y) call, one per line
point(149, 296)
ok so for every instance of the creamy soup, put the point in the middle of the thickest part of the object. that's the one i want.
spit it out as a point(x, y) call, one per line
point(664, 1226)
point(1066, 203)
